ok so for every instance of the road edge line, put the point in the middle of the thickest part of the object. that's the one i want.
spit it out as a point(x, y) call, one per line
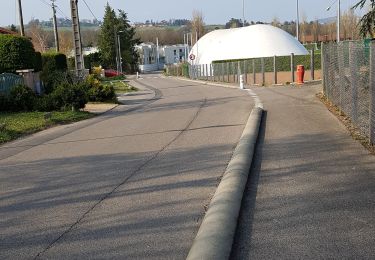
point(215, 237)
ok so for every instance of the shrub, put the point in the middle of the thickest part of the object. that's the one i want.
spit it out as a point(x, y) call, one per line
point(102, 93)
point(71, 63)
point(16, 53)
point(68, 96)
point(55, 78)
point(21, 98)
point(98, 92)
point(54, 61)
point(46, 103)
point(92, 60)
point(4, 102)
point(54, 71)
point(38, 63)
point(120, 77)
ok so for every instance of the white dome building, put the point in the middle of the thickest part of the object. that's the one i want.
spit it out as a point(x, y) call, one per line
point(253, 41)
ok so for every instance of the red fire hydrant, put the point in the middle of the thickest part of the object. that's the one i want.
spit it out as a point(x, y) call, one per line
point(300, 74)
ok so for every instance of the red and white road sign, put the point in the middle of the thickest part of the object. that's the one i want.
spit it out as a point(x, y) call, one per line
point(192, 56)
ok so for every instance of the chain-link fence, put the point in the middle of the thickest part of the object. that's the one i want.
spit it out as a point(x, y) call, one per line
point(260, 71)
point(349, 82)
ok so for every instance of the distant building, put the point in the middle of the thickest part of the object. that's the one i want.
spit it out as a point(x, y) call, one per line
point(172, 53)
point(85, 51)
point(6, 31)
point(168, 54)
point(147, 57)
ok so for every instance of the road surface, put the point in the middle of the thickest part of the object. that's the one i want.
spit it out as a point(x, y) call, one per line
point(132, 183)
point(311, 193)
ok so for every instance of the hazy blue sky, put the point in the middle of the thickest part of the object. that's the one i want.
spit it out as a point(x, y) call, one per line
point(214, 11)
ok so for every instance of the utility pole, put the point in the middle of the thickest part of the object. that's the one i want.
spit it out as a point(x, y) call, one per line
point(22, 29)
point(55, 26)
point(80, 66)
point(338, 19)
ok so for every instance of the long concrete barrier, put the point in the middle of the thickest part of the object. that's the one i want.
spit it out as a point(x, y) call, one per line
point(216, 234)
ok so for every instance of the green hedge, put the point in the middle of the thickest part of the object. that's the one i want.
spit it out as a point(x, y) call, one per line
point(16, 53)
point(282, 62)
point(64, 97)
point(38, 63)
point(92, 60)
point(54, 61)
point(54, 71)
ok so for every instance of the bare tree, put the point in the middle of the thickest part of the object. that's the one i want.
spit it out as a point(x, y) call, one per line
point(66, 42)
point(315, 30)
point(166, 36)
point(39, 36)
point(304, 27)
point(276, 22)
point(197, 25)
point(350, 25)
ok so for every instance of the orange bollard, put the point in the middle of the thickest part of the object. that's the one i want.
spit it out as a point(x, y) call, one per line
point(300, 74)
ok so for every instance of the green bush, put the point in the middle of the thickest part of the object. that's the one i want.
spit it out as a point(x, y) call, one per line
point(68, 96)
point(21, 98)
point(38, 63)
point(55, 78)
point(4, 102)
point(97, 92)
point(54, 71)
point(119, 77)
point(16, 53)
point(71, 63)
point(54, 61)
point(101, 93)
point(92, 60)
point(46, 103)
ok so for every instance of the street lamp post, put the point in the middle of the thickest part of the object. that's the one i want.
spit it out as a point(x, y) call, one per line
point(338, 17)
point(119, 52)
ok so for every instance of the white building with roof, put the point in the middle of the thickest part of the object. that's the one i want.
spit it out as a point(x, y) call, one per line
point(168, 54)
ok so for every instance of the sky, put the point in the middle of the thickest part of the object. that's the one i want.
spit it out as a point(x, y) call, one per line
point(214, 11)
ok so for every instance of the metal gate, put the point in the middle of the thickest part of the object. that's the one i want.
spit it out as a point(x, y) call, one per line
point(8, 80)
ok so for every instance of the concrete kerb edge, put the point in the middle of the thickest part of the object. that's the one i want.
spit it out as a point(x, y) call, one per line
point(209, 83)
point(236, 86)
point(216, 234)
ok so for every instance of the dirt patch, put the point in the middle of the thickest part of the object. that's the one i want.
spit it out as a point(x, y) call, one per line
point(99, 108)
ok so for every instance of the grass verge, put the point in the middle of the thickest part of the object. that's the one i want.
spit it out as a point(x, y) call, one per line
point(121, 87)
point(15, 125)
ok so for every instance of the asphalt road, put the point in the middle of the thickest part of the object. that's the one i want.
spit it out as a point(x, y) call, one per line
point(311, 193)
point(130, 184)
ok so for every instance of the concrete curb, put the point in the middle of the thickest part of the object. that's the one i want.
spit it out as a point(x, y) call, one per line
point(216, 233)
point(210, 83)
point(236, 85)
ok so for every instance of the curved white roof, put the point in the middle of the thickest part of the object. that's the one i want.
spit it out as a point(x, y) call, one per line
point(253, 41)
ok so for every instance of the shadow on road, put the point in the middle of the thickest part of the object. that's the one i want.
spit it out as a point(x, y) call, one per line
point(309, 196)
